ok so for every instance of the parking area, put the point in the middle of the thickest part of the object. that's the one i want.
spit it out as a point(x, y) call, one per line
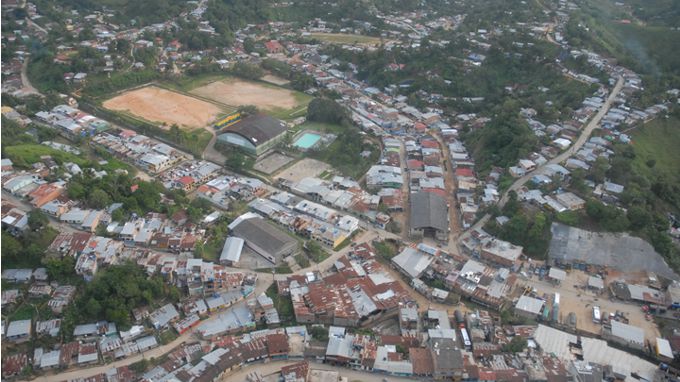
point(575, 298)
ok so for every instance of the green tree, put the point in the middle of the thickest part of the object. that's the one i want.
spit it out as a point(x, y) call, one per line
point(517, 344)
point(37, 219)
point(98, 199)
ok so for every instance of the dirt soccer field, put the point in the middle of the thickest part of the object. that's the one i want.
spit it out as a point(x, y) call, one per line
point(159, 105)
point(235, 92)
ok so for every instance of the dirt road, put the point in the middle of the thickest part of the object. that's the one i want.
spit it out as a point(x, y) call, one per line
point(27, 86)
point(265, 369)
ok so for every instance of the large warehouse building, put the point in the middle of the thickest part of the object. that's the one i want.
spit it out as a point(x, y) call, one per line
point(254, 134)
point(429, 216)
point(264, 238)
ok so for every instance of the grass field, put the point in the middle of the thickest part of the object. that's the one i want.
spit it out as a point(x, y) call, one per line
point(232, 92)
point(343, 38)
point(31, 153)
point(658, 140)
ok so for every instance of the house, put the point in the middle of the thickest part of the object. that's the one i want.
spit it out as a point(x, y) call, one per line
point(273, 46)
point(19, 331)
point(231, 252)
point(529, 307)
point(571, 201)
point(625, 334)
point(164, 316)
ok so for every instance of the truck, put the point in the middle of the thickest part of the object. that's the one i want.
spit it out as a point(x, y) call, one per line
point(596, 315)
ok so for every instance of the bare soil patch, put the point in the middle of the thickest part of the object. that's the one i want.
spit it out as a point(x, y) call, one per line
point(305, 168)
point(235, 92)
point(159, 105)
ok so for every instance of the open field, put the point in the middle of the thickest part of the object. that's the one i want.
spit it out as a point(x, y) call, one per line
point(159, 105)
point(343, 38)
point(280, 102)
point(272, 163)
point(305, 168)
point(658, 140)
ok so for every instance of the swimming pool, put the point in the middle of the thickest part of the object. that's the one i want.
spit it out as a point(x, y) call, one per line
point(307, 140)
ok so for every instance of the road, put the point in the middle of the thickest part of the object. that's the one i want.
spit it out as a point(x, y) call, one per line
point(210, 153)
point(22, 205)
point(263, 282)
point(265, 369)
point(450, 184)
point(580, 141)
point(27, 89)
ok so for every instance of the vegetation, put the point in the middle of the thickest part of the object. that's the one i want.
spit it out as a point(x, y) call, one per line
point(531, 230)
point(315, 251)
point(302, 260)
point(26, 250)
point(385, 249)
point(283, 304)
point(345, 153)
point(319, 333)
point(503, 141)
point(114, 292)
point(517, 344)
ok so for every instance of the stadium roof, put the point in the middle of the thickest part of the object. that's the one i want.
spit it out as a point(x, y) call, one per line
point(258, 128)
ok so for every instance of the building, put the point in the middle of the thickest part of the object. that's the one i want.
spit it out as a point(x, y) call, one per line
point(501, 252)
point(164, 316)
point(18, 331)
point(255, 134)
point(447, 359)
point(231, 252)
point(625, 334)
point(412, 262)
point(529, 307)
point(571, 201)
point(45, 193)
point(429, 216)
point(264, 238)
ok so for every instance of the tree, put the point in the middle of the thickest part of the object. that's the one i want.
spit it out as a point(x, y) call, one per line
point(319, 333)
point(327, 111)
point(247, 110)
point(98, 199)
point(37, 219)
point(516, 345)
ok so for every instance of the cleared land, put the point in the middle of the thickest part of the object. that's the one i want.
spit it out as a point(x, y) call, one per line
point(658, 140)
point(305, 168)
point(235, 92)
point(343, 38)
point(271, 163)
point(159, 105)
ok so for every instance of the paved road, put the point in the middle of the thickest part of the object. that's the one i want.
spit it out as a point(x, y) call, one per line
point(582, 139)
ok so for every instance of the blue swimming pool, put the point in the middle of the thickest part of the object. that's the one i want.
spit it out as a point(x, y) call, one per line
point(306, 140)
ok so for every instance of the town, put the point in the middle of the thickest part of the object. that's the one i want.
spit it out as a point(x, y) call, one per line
point(333, 191)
